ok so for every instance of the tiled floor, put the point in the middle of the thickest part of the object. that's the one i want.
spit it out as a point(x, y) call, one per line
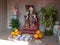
point(47, 40)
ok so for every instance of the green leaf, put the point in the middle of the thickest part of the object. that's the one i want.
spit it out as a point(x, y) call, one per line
point(14, 23)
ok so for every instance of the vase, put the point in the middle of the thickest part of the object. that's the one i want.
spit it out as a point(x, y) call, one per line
point(48, 31)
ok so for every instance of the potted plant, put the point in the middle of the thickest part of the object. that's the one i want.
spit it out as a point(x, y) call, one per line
point(47, 19)
point(14, 23)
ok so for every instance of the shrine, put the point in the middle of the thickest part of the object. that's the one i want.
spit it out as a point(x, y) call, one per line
point(29, 22)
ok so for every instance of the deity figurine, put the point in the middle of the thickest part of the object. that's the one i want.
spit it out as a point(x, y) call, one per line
point(30, 19)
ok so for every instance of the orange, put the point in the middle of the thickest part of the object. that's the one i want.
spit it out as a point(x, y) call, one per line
point(41, 35)
point(14, 36)
point(35, 35)
point(16, 30)
point(38, 32)
point(16, 33)
point(12, 33)
point(19, 32)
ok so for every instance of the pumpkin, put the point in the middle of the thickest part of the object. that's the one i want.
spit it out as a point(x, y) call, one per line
point(40, 35)
point(35, 35)
point(38, 32)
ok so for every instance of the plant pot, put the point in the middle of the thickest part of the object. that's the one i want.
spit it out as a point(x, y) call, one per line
point(48, 32)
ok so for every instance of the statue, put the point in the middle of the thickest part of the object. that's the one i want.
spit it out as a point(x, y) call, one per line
point(30, 18)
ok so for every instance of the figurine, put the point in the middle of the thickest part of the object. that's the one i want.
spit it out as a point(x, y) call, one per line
point(30, 18)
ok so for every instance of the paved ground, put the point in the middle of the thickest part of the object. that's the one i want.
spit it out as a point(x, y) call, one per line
point(48, 40)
